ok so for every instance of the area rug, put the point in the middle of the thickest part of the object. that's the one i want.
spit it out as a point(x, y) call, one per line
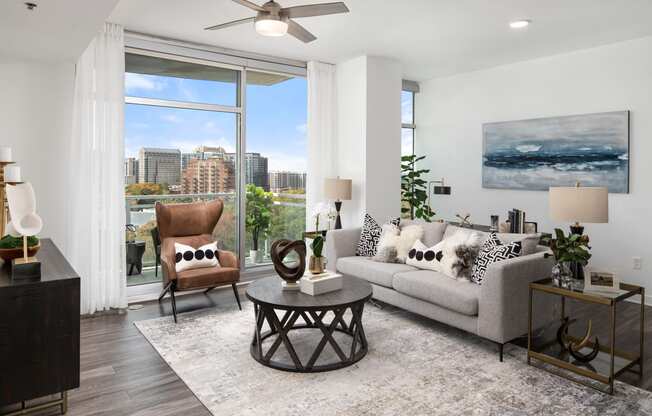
point(414, 367)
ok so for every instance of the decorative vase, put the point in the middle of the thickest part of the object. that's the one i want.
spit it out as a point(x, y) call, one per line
point(562, 275)
point(317, 265)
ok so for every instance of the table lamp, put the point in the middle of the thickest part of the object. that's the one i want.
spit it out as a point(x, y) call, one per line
point(338, 190)
point(578, 204)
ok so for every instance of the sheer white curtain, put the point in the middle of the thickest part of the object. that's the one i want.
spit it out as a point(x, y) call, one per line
point(95, 243)
point(322, 130)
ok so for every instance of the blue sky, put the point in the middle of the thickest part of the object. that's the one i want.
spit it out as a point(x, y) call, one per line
point(276, 118)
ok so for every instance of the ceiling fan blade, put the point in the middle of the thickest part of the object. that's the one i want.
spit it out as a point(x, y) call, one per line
point(300, 32)
point(229, 24)
point(249, 4)
point(315, 10)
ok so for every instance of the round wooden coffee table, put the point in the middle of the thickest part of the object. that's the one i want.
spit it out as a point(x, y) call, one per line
point(323, 313)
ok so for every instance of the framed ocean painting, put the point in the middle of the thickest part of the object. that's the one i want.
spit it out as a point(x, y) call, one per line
point(558, 151)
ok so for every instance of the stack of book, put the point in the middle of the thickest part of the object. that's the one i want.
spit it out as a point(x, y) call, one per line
point(516, 220)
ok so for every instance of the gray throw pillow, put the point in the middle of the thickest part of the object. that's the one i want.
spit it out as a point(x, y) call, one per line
point(385, 255)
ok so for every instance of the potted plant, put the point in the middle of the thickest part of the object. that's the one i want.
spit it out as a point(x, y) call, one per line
point(317, 262)
point(571, 252)
point(12, 247)
point(258, 218)
point(414, 190)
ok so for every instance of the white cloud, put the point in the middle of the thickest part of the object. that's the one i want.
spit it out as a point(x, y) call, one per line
point(141, 82)
point(282, 161)
point(302, 128)
point(171, 118)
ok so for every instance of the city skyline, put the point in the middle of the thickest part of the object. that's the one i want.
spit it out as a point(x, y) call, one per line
point(206, 169)
point(279, 134)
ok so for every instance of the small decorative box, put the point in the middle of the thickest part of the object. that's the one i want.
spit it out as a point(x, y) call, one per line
point(317, 284)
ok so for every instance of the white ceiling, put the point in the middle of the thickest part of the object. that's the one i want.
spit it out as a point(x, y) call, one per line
point(430, 37)
point(57, 30)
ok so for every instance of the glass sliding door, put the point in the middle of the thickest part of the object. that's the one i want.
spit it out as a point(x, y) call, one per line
point(275, 159)
point(181, 134)
point(189, 136)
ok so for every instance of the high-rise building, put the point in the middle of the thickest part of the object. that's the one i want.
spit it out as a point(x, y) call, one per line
point(208, 176)
point(283, 181)
point(255, 169)
point(131, 170)
point(201, 153)
point(161, 166)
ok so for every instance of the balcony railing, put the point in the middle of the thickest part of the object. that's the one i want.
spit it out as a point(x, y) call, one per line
point(288, 221)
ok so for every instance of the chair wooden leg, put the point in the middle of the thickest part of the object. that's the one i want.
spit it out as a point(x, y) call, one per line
point(501, 347)
point(174, 303)
point(237, 297)
point(164, 291)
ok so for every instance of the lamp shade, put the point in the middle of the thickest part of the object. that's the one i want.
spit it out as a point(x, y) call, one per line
point(337, 189)
point(579, 204)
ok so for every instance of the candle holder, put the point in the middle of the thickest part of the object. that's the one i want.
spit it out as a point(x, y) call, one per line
point(3, 194)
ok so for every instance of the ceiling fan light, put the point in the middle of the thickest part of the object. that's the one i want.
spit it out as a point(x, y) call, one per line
point(270, 27)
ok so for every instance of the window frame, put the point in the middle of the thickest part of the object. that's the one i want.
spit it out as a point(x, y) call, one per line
point(178, 51)
point(411, 126)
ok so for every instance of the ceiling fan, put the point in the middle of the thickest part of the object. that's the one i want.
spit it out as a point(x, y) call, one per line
point(274, 20)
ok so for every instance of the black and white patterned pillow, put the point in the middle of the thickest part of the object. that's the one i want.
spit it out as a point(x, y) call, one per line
point(187, 258)
point(491, 241)
point(490, 254)
point(371, 231)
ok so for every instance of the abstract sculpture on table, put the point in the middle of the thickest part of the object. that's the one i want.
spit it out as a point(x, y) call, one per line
point(24, 223)
point(290, 274)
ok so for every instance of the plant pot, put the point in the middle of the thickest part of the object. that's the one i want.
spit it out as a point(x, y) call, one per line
point(562, 275)
point(8, 254)
point(317, 265)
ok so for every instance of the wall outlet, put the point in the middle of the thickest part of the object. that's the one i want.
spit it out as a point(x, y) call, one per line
point(637, 263)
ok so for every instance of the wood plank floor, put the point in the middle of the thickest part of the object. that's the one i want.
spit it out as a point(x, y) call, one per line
point(121, 374)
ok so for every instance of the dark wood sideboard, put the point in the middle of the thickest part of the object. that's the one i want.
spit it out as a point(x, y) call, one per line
point(39, 332)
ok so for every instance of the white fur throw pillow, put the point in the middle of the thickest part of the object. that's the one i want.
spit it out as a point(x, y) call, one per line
point(409, 235)
point(386, 250)
point(187, 258)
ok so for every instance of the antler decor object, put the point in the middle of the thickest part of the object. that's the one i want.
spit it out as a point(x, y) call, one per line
point(26, 223)
point(574, 347)
point(290, 274)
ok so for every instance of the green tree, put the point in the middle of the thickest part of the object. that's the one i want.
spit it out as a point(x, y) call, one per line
point(414, 189)
point(147, 188)
point(259, 212)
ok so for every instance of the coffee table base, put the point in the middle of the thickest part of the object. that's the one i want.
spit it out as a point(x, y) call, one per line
point(313, 319)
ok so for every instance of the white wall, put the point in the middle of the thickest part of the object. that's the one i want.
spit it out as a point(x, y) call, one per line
point(36, 120)
point(450, 113)
point(369, 136)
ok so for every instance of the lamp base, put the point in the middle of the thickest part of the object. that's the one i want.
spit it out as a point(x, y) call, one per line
point(338, 220)
point(577, 229)
point(576, 268)
point(22, 269)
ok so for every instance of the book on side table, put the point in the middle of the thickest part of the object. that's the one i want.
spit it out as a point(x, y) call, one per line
point(317, 284)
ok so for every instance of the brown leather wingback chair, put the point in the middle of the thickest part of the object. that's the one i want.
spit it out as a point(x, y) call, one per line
point(193, 225)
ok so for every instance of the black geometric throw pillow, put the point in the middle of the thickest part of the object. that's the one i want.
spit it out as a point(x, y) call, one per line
point(492, 254)
point(371, 231)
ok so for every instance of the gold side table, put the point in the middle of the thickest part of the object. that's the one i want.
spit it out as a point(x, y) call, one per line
point(609, 362)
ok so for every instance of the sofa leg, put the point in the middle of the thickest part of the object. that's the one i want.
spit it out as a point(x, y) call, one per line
point(237, 297)
point(209, 289)
point(373, 302)
point(174, 303)
point(501, 348)
point(164, 291)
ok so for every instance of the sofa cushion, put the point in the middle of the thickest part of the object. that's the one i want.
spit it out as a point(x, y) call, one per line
point(529, 241)
point(372, 271)
point(457, 295)
point(433, 232)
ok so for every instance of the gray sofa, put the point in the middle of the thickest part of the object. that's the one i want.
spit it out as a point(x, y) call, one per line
point(496, 310)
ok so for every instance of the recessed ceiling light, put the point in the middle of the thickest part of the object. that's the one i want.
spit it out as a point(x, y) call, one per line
point(519, 24)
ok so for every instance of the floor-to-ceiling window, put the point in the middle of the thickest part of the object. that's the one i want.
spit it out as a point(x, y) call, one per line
point(407, 123)
point(196, 130)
